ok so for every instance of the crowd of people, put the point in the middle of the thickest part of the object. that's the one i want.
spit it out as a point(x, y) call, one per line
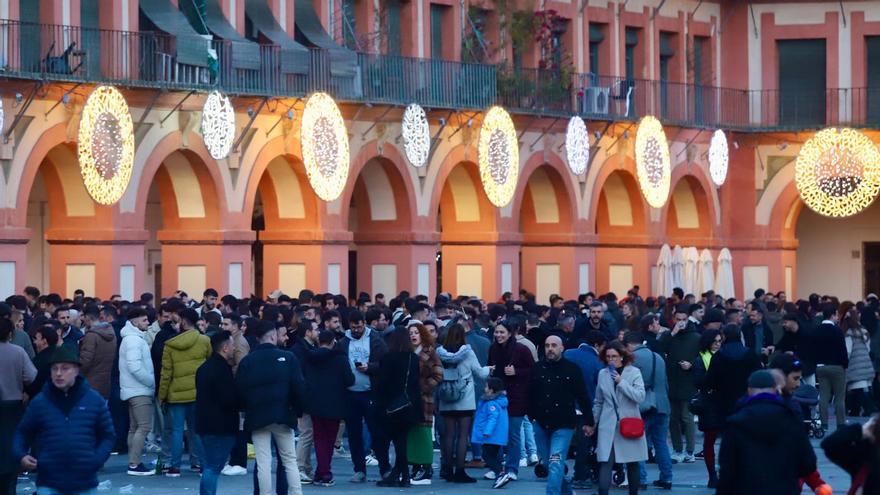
point(504, 386)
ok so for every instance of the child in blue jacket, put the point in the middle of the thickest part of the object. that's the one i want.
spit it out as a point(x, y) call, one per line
point(490, 429)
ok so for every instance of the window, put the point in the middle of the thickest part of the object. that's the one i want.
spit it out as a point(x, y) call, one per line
point(801, 81)
point(437, 14)
point(349, 25)
point(872, 45)
point(597, 36)
point(392, 27)
point(632, 40)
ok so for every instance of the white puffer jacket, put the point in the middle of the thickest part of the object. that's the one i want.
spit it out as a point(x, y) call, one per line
point(135, 364)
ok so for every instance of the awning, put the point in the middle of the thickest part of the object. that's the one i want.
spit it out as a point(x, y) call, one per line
point(294, 57)
point(192, 48)
point(343, 62)
point(245, 53)
point(596, 35)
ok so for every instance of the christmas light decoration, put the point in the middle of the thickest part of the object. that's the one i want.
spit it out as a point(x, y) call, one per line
point(652, 161)
point(837, 172)
point(218, 125)
point(718, 158)
point(325, 146)
point(498, 152)
point(416, 135)
point(577, 145)
point(106, 145)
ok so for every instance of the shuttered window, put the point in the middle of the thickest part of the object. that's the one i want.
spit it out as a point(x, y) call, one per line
point(801, 81)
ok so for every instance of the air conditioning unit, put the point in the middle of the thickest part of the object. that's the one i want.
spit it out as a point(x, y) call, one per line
point(596, 100)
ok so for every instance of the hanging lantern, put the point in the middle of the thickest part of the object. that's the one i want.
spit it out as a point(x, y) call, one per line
point(577, 145)
point(652, 161)
point(324, 146)
point(499, 156)
point(718, 158)
point(416, 135)
point(106, 145)
point(218, 125)
point(837, 172)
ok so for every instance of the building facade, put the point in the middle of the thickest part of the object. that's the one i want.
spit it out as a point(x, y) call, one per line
point(770, 74)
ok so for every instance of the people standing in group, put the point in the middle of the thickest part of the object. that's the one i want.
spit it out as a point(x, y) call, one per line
point(586, 357)
point(655, 408)
point(832, 360)
point(364, 348)
point(216, 410)
point(137, 387)
point(764, 449)
point(457, 401)
point(860, 371)
point(619, 391)
point(67, 418)
point(183, 355)
point(398, 397)
point(271, 390)
point(420, 448)
point(512, 362)
point(681, 348)
point(328, 376)
point(17, 372)
point(491, 424)
point(556, 393)
point(97, 351)
point(46, 340)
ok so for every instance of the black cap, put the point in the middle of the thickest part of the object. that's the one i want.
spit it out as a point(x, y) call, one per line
point(64, 354)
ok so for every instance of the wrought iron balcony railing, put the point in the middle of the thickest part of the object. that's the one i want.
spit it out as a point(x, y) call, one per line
point(157, 60)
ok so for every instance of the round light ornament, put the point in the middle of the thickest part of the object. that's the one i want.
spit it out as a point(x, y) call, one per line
point(577, 145)
point(106, 145)
point(325, 146)
point(218, 125)
point(837, 172)
point(498, 152)
point(652, 161)
point(416, 135)
point(718, 158)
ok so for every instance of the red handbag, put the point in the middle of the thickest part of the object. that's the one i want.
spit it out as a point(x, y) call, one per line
point(632, 428)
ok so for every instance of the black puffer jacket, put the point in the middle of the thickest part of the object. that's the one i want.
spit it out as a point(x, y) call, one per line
point(764, 450)
point(848, 448)
point(728, 375)
point(270, 387)
point(557, 388)
point(328, 375)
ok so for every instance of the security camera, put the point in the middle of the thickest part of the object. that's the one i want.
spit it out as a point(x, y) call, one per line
point(250, 111)
point(19, 97)
point(442, 121)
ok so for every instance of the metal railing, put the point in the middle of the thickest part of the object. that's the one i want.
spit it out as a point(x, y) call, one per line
point(157, 60)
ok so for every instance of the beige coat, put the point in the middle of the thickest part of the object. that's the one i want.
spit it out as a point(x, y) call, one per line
point(629, 393)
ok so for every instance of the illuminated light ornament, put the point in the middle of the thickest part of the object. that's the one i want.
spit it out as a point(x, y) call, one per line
point(325, 146)
point(652, 161)
point(218, 125)
point(837, 172)
point(577, 145)
point(416, 135)
point(498, 152)
point(718, 158)
point(106, 145)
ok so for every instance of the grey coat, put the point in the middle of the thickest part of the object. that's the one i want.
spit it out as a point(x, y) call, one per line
point(469, 367)
point(646, 364)
point(629, 393)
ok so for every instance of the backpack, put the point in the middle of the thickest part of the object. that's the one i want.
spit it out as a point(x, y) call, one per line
point(454, 384)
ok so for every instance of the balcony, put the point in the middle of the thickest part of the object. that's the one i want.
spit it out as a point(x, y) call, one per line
point(157, 60)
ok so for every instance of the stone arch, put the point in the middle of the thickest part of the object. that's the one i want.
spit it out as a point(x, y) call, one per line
point(688, 211)
point(619, 208)
point(546, 200)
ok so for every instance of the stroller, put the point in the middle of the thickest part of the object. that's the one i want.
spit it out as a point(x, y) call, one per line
point(808, 397)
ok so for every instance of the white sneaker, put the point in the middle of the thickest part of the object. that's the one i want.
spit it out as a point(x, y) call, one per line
point(234, 471)
point(490, 475)
point(340, 452)
point(420, 482)
point(688, 459)
point(512, 476)
point(371, 460)
point(502, 480)
point(304, 478)
point(523, 462)
point(533, 459)
point(677, 457)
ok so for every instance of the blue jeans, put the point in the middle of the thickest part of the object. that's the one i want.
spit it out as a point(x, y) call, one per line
point(180, 413)
point(528, 440)
point(217, 449)
point(514, 445)
point(45, 490)
point(656, 432)
point(553, 450)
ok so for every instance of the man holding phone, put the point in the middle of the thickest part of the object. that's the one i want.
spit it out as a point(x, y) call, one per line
point(681, 348)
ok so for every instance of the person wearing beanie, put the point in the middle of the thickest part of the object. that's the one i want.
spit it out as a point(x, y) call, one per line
point(764, 449)
point(67, 417)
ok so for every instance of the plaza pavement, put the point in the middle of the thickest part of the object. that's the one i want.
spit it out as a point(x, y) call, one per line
point(688, 479)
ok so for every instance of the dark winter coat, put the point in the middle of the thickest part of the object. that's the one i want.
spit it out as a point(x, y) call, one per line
point(728, 376)
point(764, 450)
point(516, 386)
point(829, 345)
point(97, 353)
point(799, 344)
point(684, 346)
point(74, 432)
point(328, 376)
point(216, 405)
point(586, 357)
point(557, 389)
point(41, 362)
point(378, 348)
point(158, 349)
point(749, 333)
point(399, 374)
point(848, 448)
point(270, 387)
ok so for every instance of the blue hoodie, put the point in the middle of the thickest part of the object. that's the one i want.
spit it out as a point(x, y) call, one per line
point(491, 422)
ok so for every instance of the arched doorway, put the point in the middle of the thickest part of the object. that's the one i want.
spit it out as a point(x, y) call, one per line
point(688, 220)
point(622, 251)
